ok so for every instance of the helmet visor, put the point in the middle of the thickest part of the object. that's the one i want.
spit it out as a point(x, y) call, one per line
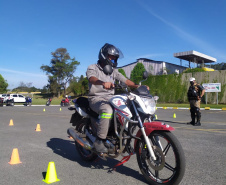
point(113, 51)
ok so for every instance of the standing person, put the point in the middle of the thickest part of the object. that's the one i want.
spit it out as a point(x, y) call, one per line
point(101, 78)
point(195, 93)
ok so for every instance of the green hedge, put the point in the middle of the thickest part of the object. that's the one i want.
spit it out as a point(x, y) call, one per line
point(169, 88)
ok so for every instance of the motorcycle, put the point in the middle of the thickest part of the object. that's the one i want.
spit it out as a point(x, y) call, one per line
point(48, 102)
point(65, 102)
point(159, 154)
point(28, 101)
point(9, 102)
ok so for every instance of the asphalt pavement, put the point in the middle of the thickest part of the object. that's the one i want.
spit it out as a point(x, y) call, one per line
point(204, 148)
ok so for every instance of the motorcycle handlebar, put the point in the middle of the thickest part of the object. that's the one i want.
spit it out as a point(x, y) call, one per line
point(71, 108)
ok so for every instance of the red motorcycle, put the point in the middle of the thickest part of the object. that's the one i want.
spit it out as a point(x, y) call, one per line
point(159, 154)
point(65, 102)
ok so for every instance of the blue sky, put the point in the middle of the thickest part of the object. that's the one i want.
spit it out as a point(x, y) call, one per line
point(155, 29)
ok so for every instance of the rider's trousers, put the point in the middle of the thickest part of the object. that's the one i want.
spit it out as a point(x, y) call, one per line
point(101, 106)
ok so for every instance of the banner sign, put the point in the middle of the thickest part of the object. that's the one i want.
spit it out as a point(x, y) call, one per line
point(212, 87)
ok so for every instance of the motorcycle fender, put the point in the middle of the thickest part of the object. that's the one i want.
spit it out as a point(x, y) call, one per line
point(152, 126)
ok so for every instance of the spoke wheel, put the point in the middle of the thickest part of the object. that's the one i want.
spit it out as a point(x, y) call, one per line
point(169, 166)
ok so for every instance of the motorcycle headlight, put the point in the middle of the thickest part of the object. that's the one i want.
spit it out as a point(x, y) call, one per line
point(150, 104)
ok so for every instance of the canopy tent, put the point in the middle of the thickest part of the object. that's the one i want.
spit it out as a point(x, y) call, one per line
point(195, 57)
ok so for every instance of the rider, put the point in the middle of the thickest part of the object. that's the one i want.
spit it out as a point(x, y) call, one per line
point(101, 78)
point(66, 99)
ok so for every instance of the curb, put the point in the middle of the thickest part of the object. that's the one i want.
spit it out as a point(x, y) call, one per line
point(32, 106)
point(206, 108)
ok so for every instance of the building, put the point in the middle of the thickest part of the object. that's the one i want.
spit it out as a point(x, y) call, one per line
point(154, 67)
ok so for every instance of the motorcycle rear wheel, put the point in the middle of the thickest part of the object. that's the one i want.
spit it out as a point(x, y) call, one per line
point(86, 155)
point(169, 167)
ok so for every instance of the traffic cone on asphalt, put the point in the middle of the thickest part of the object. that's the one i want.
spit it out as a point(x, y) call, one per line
point(44, 110)
point(60, 109)
point(11, 122)
point(51, 175)
point(38, 128)
point(156, 117)
point(15, 159)
point(174, 115)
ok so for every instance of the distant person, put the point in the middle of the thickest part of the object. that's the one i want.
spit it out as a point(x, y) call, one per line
point(195, 93)
point(66, 99)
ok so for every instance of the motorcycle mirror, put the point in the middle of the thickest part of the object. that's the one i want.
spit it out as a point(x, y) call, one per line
point(156, 98)
point(145, 75)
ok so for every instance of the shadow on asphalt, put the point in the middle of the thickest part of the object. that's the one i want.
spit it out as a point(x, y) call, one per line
point(66, 149)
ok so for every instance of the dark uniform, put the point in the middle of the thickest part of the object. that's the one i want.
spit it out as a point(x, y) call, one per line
point(194, 93)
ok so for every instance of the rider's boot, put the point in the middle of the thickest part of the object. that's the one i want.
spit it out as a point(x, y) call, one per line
point(192, 120)
point(198, 119)
point(99, 146)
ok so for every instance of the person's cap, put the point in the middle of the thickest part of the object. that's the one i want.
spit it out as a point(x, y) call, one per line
point(192, 79)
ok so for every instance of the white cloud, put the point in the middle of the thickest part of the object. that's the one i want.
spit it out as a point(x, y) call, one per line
point(22, 73)
point(185, 35)
point(14, 78)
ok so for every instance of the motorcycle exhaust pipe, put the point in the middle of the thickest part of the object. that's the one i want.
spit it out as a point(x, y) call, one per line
point(85, 144)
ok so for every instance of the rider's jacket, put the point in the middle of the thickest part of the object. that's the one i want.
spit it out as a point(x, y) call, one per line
point(194, 91)
point(97, 71)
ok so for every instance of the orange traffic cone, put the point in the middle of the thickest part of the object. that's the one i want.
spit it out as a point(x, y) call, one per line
point(15, 159)
point(11, 122)
point(51, 175)
point(38, 128)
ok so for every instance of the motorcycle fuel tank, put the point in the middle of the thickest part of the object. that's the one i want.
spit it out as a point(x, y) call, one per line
point(119, 103)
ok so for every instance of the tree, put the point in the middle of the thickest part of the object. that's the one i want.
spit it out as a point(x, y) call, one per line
point(79, 86)
point(3, 85)
point(122, 72)
point(60, 71)
point(25, 88)
point(137, 73)
point(220, 66)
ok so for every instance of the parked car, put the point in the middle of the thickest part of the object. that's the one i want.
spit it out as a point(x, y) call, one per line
point(6, 97)
point(17, 98)
point(3, 96)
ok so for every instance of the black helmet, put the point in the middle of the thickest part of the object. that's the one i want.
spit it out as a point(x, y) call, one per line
point(105, 51)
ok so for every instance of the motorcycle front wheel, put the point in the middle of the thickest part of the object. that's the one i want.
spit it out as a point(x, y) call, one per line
point(86, 155)
point(169, 166)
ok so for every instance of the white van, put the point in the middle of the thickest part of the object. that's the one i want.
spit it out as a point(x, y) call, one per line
point(2, 96)
point(18, 98)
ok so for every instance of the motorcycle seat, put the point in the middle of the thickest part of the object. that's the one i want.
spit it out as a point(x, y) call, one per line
point(83, 103)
